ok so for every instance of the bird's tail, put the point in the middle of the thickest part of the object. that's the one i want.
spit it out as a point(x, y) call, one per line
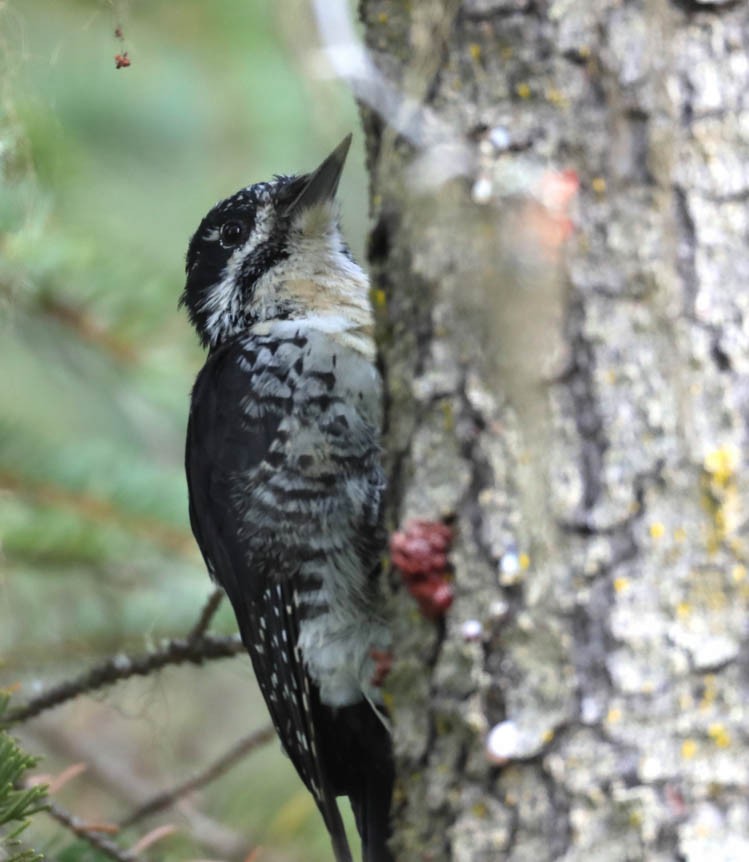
point(334, 824)
point(371, 807)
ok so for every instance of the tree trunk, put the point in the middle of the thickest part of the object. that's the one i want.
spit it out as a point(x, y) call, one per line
point(579, 414)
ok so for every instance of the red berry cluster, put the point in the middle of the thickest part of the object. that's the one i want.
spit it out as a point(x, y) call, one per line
point(121, 59)
point(419, 552)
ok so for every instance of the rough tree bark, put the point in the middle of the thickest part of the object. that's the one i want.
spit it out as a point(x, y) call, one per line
point(582, 419)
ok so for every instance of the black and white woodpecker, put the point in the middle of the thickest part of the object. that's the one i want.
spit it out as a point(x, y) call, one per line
point(285, 480)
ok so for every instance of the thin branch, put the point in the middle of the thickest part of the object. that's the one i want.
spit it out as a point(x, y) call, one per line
point(113, 773)
point(444, 151)
point(206, 615)
point(122, 666)
point(157, 834)
point(223, 764)
point(351, 62)
point(82, 830)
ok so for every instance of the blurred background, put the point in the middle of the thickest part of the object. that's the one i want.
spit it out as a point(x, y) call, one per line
point(104, 174)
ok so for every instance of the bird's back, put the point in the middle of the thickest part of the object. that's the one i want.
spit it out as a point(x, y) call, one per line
point(285, 490)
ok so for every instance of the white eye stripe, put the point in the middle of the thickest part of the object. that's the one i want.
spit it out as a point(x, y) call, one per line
point(223, 302)
point(259, 234)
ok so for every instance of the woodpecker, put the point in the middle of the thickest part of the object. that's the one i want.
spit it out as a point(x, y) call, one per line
point(286, 483)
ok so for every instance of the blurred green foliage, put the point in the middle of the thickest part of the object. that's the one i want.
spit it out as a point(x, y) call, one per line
point(104, 174)
point(17, 804)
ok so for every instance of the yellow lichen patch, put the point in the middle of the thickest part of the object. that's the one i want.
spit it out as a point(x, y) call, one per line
point(382, 18)
point(720, 496)
point(709, 692)
point(737, 547)
point(717, 601)
point(523, 90)
point(556, 97)
point(524, 561)
point(474, 50)
point(738, 573)
point(635, 818)
point(598, 185)
point(656, 530)
point(683, 610)
point(399, 793)
point(712, 542)
point(621, 584)
point(719, 735)
point(379, 297)
point(448, 417)
point(480, 810)
point(614, 715)
point(688, 749)
point(721, 464)
point(548, 735)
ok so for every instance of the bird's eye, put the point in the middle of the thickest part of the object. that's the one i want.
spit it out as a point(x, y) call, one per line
point(231, 233)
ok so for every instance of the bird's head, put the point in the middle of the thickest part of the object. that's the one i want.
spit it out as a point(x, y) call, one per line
point(273, 251)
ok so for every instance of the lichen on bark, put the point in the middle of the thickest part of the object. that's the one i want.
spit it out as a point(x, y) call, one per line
point(581, 421)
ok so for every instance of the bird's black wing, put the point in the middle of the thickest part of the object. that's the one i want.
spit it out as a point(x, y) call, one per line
point(231, 434)
point(224, 443)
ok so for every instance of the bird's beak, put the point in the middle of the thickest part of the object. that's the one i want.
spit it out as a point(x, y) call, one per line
point(321, 184)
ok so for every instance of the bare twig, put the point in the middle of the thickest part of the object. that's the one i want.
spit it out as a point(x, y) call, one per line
point(83, 830)
point(113, 773)
point(206, 615)
point(119, 667)
point(444, 151)
point(153, 836)
point(223, 764)
point(57, 782)
point(351, 61)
